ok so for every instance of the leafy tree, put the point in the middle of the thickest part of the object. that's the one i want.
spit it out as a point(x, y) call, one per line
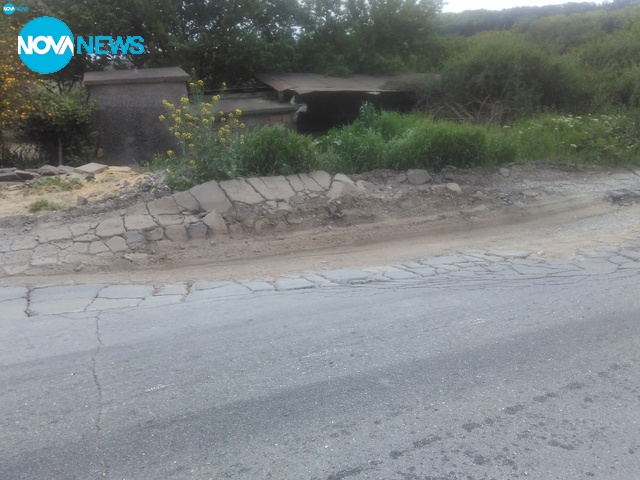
point(17, 99)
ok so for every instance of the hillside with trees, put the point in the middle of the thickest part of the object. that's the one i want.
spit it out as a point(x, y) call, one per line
point(494, 67)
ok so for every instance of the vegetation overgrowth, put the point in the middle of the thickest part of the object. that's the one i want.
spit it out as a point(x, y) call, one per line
point(390, 140)
point(567, 77)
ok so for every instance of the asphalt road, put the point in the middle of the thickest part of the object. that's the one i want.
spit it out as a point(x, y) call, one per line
point(449, 377)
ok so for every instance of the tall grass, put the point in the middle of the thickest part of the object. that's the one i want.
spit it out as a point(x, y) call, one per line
point(380, 139)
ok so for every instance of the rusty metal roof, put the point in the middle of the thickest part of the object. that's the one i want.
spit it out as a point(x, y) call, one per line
point(302, 83)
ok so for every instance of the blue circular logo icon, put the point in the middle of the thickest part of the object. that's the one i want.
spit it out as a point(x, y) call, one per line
point(45, 45)
point(9, 8)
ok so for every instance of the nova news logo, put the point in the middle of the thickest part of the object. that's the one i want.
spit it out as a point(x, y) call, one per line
point(46, 45)
point(10, 9)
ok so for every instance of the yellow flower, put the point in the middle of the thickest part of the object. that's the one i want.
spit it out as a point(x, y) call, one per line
point(162, 118)
point(242, 125)
point(191, 84)
point(200, 83)
point(192, 162)
point(169, 153)
point(184, 100)
point(238, 111)
point(224, 85)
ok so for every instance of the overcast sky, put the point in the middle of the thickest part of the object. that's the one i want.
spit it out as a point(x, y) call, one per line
point(460, 5)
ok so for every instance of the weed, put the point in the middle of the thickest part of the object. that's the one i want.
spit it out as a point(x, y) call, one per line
point(44, 205)
point(52, 184)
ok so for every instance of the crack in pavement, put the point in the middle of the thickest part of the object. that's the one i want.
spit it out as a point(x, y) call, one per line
point(96, 381)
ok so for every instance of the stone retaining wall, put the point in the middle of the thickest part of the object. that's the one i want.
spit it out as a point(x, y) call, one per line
point(196, 214)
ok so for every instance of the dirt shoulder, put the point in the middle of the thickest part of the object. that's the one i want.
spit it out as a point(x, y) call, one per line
point(375, 219)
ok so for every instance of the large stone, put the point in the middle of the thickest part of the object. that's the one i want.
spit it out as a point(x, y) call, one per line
point(211, 197)
point(139, 222)
point(322, 178)
point(98, 247)
point(176, 233)
point(454, 187)
point(163, 206)
point(197, 231)
point(52, 234)
point(110, 227)
point(341, 177)
point(91, 168)
point(7, 175)
point(216, 223)
point(134, 237)
point(273, 188)
point(186, 202)
point(296, 183)
point(116, 244)
point(418, 177)
point(26, 175)
point(309, 183)
point(155, 235)
point(240, 191)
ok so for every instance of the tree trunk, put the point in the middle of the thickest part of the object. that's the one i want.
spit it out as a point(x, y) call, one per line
point(60, 159)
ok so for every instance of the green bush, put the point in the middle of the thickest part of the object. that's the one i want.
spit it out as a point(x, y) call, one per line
point(64, 120)
point(505, 69)
point(600, 139)
point(274, 150)
point(395, 141)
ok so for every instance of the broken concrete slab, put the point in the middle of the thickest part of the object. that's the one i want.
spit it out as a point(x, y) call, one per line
point(126, 291)
point(284, 284)
point(322, 178)
point(341, 177)
point(176, 233)
point(240, 191)
point(309, 183)
point(186, 202)
point(91, 168)
point(163, 206)
point(139, 222)
point(12, 293)
point(116, 244)
point(273, 188)
point(211, 197)
point(110, 227)
point(14, 309)
point(214, 222)
point(296, 183)
point(196, 231)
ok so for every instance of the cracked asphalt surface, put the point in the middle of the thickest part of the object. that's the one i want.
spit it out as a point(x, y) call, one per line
point(479, 365)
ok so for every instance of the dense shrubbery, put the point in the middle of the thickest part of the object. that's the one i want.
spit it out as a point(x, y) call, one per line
point(63, 126)
point(393, 141)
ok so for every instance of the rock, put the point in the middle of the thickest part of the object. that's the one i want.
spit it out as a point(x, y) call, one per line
point(401, 178)
point(418, 177)
point(297, 199)
point(529, 193)
point(8, 175)
point(48, 171)
point(454, 187)
point(91, 168)
point(197, 230)
point(25, 175)
point(505, 172)
point(81, 201)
